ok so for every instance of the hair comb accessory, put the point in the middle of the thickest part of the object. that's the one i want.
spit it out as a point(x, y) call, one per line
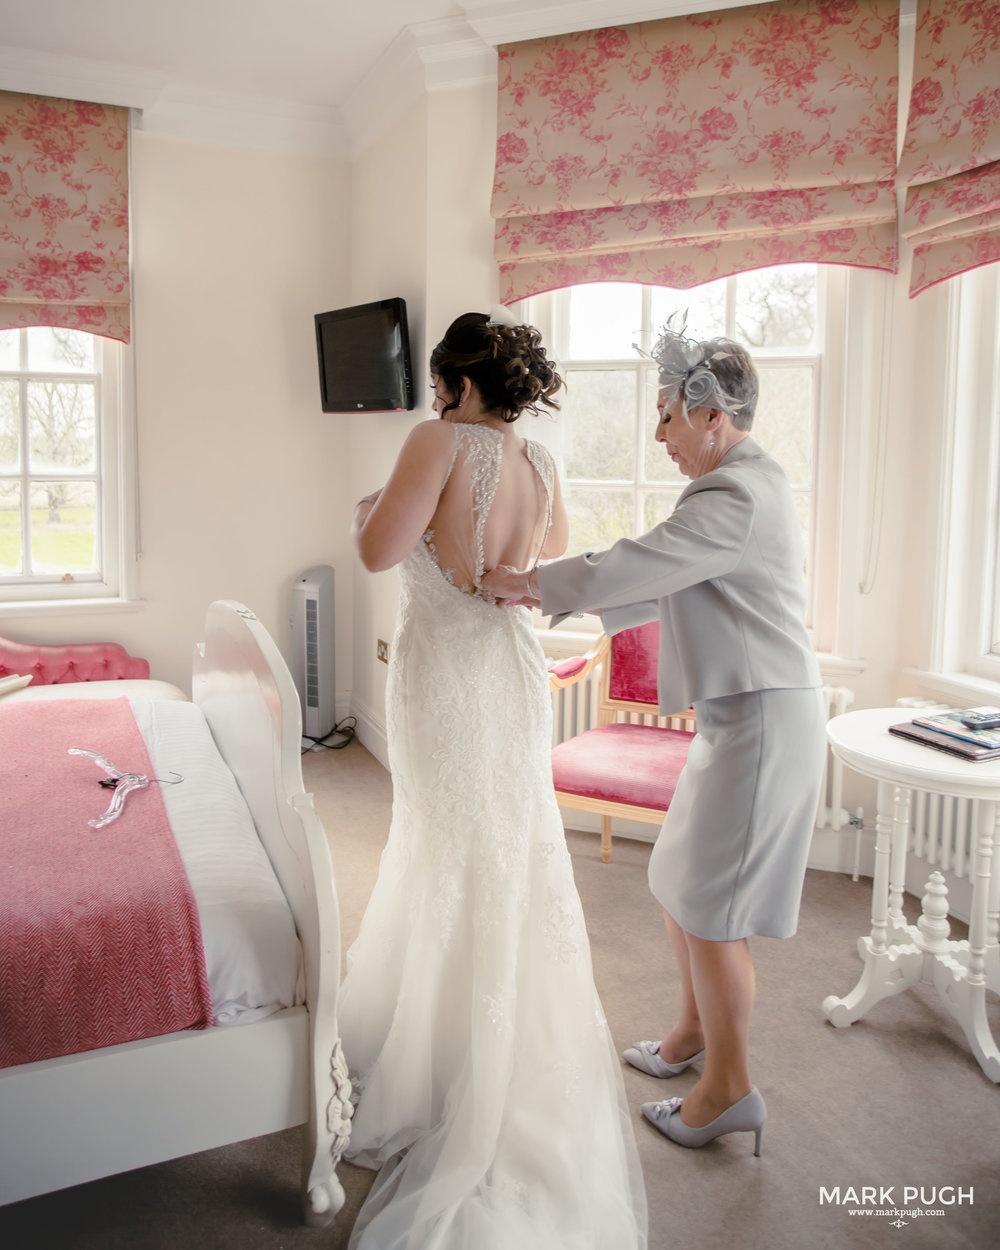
point(500, 315)
point(684, 371)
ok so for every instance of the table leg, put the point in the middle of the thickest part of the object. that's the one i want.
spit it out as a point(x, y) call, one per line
point(880, 881)
point(992, 954)
point(887, 969)
point(963, 985)
point(900, 835)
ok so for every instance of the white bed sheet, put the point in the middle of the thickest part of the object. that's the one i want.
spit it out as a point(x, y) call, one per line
point(252, 951)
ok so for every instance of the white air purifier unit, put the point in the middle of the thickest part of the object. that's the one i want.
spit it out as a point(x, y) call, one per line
point(313, 649)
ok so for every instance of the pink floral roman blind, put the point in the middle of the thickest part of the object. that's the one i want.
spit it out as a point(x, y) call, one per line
point(951, 157)
point(64, 246)
point(677, 151)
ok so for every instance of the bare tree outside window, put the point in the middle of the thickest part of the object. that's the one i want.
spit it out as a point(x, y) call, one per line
point(49, 454)
point(618, 479)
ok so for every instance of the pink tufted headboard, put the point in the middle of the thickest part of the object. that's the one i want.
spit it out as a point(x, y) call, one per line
point(53, 663)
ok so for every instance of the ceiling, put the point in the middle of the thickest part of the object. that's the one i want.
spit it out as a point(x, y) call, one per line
point(311, 75)
point(306, 51)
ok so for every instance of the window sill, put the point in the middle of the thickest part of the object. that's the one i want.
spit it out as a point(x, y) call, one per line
point(572, 638)
point(575, 638)
point(958, 689)
point(68, 607)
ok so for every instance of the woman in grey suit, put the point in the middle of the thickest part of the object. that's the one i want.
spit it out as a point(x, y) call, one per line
point(724, 576)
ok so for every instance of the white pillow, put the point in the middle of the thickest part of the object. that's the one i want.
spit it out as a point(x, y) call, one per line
point(9, 684)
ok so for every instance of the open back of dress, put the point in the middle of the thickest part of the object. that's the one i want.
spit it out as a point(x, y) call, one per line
point(495, 506)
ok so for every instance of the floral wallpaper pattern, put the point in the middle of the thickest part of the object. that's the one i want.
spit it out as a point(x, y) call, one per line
point(680, 150)
point(64, 246)
point(951, 156)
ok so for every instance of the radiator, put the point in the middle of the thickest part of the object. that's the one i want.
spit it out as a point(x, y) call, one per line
point(574, 710)
point(942, 827)
point(943, 832)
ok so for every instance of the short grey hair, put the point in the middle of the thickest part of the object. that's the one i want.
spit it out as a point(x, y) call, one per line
point(731, 364)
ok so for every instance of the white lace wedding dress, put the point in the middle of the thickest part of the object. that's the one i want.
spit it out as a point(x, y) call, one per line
point(491, 1096)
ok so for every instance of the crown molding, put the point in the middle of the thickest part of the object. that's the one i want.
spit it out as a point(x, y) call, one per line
point(232, 120)
point(424, 57)
point(78, 78)
point(176, 111)
point(513, 21)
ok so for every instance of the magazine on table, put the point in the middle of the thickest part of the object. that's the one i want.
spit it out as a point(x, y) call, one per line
point(961, 748)
point(954, 724)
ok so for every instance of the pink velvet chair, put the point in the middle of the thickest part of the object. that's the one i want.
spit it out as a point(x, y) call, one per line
point(53, 663)
point(621, 767)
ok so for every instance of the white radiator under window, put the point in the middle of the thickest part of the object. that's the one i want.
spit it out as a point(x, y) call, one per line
point(942, 828)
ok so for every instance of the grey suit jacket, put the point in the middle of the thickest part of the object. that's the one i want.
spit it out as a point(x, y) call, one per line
point(724, 575)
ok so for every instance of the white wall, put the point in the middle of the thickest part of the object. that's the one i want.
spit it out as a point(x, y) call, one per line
point(421, 229)
point(241, 476)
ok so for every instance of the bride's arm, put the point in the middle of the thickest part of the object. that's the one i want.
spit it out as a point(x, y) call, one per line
point(388, 524)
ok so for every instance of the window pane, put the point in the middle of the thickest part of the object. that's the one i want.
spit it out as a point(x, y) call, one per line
point(658, 505)
point(53, 350)
point(61, 425)
point(803, 506)
point(9, 349)
point(777, 307)
point(10, 425)
point(704, 307)
point(599, 420)
point(783, 424)
point(10, 528)
point(605, 319)
point(64, 527)
point(597, 518)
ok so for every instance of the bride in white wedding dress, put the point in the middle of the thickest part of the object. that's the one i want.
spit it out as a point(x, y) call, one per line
point(491, 1096)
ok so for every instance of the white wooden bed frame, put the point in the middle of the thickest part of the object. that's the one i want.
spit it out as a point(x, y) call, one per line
point(76, 1118)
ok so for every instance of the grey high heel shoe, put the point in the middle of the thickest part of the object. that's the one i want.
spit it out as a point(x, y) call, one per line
point(747, 1115)
point(646, 1057)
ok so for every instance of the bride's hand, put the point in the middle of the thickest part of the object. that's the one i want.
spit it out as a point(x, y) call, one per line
point(511, 588)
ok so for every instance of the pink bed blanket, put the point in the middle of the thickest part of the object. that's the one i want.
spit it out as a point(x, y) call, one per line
point(100, 941)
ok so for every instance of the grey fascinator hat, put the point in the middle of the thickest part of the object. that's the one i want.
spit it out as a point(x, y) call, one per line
point(684, 366)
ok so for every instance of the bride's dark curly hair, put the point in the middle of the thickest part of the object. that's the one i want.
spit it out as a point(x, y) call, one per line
point(507, 365)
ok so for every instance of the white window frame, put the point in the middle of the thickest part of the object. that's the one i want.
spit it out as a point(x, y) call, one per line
point(116, 585)
point(852, 330)
point(962, 660)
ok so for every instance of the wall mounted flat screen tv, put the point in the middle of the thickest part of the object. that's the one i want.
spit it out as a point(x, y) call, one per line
point(364, 358)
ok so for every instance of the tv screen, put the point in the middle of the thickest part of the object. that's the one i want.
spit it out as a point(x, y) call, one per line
point(364, 358)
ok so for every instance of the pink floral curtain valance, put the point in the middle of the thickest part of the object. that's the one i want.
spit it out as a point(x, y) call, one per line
point(677, 151)
point(64, 243)
point(951, 156)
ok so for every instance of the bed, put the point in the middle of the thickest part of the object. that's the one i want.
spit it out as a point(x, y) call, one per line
point(77, 1117)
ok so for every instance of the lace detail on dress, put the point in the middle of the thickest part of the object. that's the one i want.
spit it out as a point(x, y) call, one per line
point(546, 470)
point(484, 455)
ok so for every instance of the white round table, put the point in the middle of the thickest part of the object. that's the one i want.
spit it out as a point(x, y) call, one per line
point(896, 955)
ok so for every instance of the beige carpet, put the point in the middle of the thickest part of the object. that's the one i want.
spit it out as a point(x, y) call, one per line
point(895, 1100)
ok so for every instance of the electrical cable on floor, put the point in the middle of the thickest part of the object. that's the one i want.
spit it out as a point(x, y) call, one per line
point(346, 729)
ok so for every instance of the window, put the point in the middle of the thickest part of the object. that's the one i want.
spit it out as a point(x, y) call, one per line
point(618, 480)
point(965, 621)
point(63, 461)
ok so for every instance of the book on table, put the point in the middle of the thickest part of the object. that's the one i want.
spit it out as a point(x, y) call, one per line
point(916, 731)
point(952, 723)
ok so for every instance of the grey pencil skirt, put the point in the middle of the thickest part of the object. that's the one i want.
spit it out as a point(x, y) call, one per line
point(730, 859)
